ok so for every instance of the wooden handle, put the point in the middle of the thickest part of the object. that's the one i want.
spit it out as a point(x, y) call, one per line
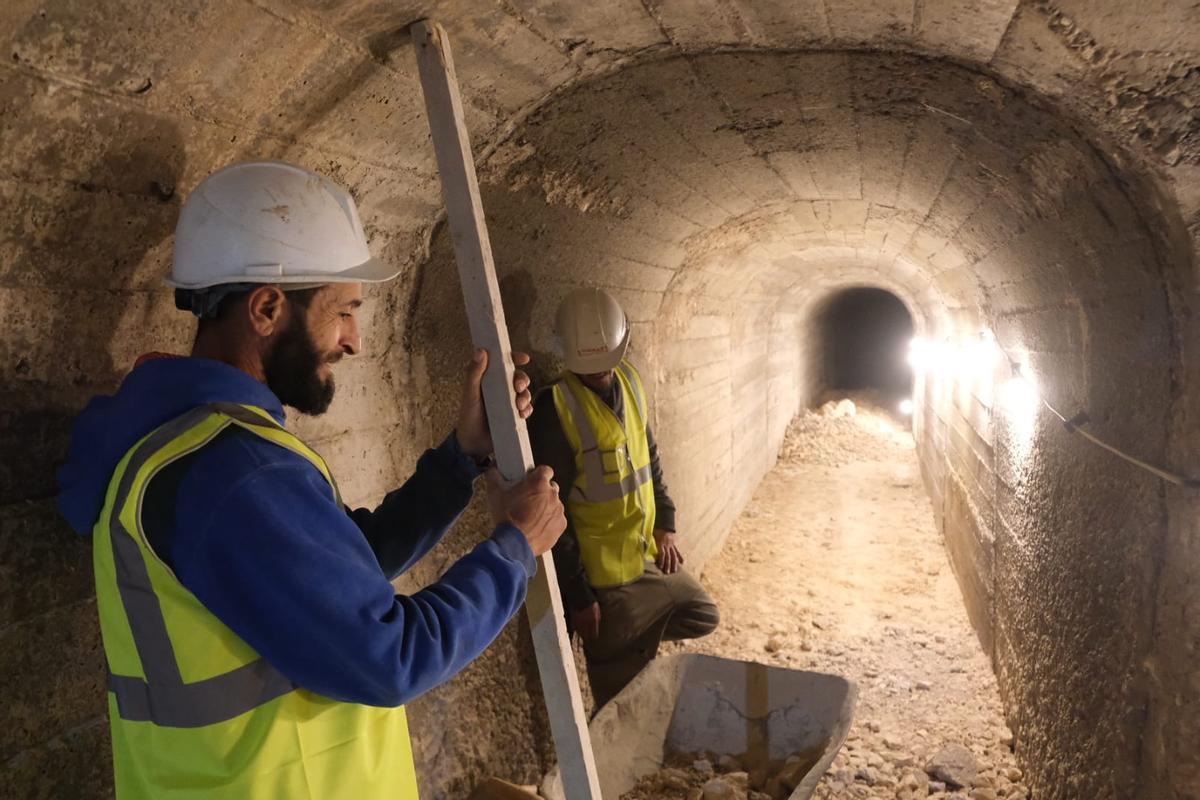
point(485, 312)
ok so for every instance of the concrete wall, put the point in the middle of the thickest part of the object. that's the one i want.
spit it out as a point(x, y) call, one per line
point(1028, 167)
point(1037, 519)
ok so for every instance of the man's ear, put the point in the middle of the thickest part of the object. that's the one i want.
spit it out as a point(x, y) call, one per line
point(267, 309)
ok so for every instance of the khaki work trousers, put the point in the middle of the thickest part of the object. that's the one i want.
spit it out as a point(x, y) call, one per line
point(636, 617)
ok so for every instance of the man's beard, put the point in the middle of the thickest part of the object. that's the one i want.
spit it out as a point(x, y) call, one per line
point(291, 369)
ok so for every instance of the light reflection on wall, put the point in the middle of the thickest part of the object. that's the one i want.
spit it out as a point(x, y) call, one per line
point(975, 374)
point(1020, 402)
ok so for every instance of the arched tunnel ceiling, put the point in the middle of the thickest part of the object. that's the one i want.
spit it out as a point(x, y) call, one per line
point(696, 185)
point(747, 177)
point(332, 82)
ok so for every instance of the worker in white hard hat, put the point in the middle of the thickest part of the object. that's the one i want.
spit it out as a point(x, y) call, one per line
point(255, 645)
point(619, 566)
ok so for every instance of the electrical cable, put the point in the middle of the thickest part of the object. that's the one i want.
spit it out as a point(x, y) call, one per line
point(1075, 425)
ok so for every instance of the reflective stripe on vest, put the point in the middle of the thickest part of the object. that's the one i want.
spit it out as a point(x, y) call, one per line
point(162, 697)
point(599, 486)
point(611, 503)
point(195, 712)
point(636, 383)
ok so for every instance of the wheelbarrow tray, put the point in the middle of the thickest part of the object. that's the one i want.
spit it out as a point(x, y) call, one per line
point(688, 704)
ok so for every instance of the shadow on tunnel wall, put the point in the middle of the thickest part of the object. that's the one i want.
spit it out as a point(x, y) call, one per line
point(69, 293)
point(519, 292)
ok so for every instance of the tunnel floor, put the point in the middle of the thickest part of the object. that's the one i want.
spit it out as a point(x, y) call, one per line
point(836, 566)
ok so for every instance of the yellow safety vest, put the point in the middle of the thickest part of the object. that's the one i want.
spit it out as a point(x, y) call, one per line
point(195, 711)
point(612, 500)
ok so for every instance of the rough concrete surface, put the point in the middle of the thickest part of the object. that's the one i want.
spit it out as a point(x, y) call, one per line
point(1023, 166)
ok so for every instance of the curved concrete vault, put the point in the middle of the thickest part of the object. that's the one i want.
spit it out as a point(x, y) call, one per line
point(1027, 169)
point(721, 196)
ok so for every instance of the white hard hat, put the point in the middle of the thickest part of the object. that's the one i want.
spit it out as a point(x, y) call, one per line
point(592, 331)
point(271, 222)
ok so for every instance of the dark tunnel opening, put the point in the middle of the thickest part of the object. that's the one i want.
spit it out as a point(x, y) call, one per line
point(863, 335)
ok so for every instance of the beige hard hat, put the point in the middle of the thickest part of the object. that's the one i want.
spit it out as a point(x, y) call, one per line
point(271, 222)
point(592, 331)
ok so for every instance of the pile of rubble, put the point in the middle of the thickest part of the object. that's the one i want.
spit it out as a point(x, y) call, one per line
point(836, 434)
point(723, 778)
point(953, 773)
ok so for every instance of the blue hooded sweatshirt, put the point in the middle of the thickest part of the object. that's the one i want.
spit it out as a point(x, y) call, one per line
point(255, 533)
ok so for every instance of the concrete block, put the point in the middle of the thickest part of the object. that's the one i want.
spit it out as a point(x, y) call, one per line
point(927, 164)
point(702, 24)
point(842, 215)
point(706, 343)
point(620, 26)
point(992, 226)
point(974, 474)
point(625, 157)
point(533, 227)
point(961, 195)
point(841, 178)
point(796, 170)
point(784, 24)
point(968, 30)
point(883, 161)
point(969, 543)
point(687, 164)
point(756, 177)
point(872, 23)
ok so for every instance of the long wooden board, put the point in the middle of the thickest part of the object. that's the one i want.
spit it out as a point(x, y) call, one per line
point(481, 292)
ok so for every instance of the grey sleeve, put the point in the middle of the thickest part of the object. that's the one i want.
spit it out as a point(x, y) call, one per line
point(664, 505)
point(551, 448)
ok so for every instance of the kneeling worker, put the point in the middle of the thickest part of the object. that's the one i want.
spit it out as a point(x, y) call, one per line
point(619, 569)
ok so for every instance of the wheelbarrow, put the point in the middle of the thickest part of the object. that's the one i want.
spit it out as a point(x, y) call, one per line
point(695, 706)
